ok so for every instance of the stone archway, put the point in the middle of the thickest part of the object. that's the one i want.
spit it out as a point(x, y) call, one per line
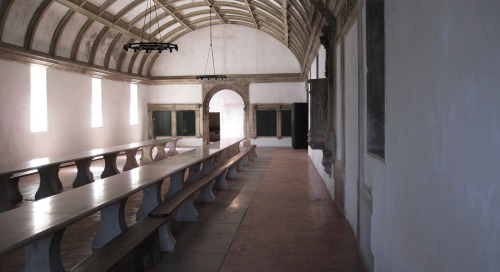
point(209, 90)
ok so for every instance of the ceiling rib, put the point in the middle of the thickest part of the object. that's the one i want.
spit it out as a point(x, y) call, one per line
point(97, 42)
point(57, 33)
point(178, 18)
point(249, 8)
point(79, 37)
point(35, 20)
point(284, 7)
point(97, 18)
point(110, 50)
point(216, 11)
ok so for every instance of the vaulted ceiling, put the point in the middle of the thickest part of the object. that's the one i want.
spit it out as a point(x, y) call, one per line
point(91, 33)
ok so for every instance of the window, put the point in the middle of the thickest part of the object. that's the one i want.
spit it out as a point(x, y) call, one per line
point(96, 103)
point(38, 103)
point(186, 123)
point(174, 120)
point(271, 120)
point(375, 78)
point(134, 111)
point(266, 123)
point(162, 123)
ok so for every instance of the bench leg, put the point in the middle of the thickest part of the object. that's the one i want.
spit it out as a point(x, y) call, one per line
point(160, 155)
point(112, 224)
point(231, 173)
point(49, 182)
point(151, 197)
point(245, 160)
point(186, 211)
point(147, 155)
point(254, 153)
point(172, 149)
point(176, 183)
point(84, 175)
point(239, 166)
point(150, 248)
point(206, 194)
point(15, 195)
point(167, 240)
point(250, 156)
point(5, 203)
point(44, 254)
point(110, 168)
point(220, 182)
point(131, 162)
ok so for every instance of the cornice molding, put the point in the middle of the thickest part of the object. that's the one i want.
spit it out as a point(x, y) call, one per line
point(19, 54)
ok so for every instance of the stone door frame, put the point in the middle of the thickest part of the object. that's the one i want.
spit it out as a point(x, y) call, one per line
point(210, 89)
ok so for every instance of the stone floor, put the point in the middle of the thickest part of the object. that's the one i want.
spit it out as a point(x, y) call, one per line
point(278, 216)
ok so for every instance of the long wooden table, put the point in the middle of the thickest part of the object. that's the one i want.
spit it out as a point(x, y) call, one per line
point(48, 168)
point(39, 226)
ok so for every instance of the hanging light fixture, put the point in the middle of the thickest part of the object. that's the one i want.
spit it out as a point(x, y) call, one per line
point(211, 53)
point(150, 46)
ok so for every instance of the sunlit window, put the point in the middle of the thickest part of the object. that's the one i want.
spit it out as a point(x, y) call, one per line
point(38, 106)
point(134, 111)
point(96, 102)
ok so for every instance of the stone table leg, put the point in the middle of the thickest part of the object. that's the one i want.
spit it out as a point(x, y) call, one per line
point(160, 155)
point(44, 255)
point(110, 168)
point(112, 224)
point(206, 194)
point(231, 173)
point(84, 175)
point(176, 183)
point(15, 195)
point(147, 155)
point(172, 148)
point(151, 198)
point(49, 180)
point(5, 203)
point(186, 211)
point(131, 162)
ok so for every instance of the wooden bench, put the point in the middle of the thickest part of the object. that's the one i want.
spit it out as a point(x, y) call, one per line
point(155, 229)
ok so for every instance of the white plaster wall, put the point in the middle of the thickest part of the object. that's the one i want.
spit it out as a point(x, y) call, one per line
point(437, 207)
point(69, 127)
point(237, 50)
point(272, 141)
point(351, 126)
point(317, 158)
point(284, 92)
point(175, 94)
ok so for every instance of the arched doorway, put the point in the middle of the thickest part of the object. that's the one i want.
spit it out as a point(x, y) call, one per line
point(208, 93)
point(226, 116)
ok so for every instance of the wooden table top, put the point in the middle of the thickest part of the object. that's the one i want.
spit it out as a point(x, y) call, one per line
point(16, 167)
point(28, 223)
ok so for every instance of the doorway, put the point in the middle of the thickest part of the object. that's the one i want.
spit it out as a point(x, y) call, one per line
point(230, 107)
point(214, 126)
